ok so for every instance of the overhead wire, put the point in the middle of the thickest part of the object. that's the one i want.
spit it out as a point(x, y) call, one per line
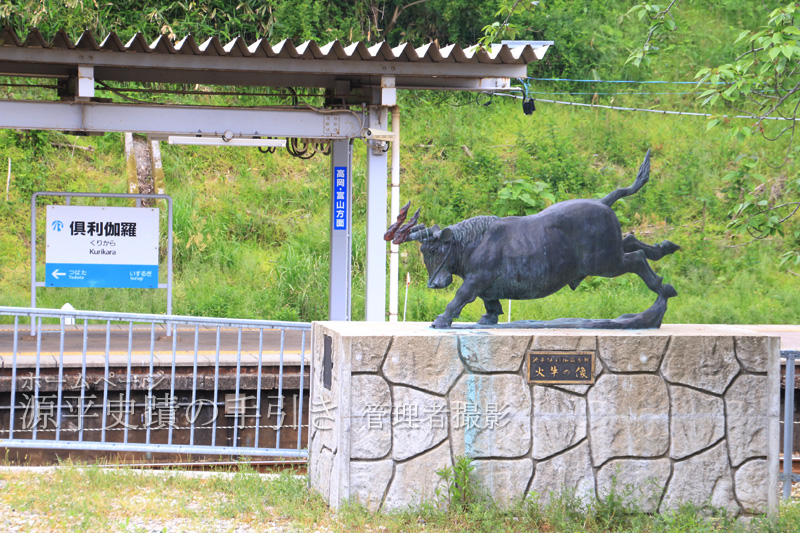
point(658, 111)
point(591, 93)
point(629, 81)
point(528, 99)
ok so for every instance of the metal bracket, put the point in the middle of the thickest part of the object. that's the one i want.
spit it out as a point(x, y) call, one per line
point(85, 81)
point(388, 91)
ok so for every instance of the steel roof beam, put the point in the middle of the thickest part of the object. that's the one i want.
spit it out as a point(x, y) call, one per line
point(177, 68)
point(91, 117)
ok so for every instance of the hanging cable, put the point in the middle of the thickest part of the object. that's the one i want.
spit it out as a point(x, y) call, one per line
point(528, 105)
point(592, 93)
point(630, 81)
point(658, 111)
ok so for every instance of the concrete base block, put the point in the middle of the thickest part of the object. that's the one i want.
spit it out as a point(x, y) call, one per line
point(688, 412)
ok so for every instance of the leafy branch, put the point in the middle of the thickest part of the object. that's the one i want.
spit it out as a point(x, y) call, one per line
point(497, 30)
point(377, 15)
point(661, 19)
point(756, 213)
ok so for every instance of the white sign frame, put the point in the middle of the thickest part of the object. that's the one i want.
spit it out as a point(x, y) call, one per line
point(69, 196)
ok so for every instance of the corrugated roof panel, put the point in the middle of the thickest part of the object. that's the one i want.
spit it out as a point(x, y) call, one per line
point(381, 51)
point(405, 51)
point(285, 49)
point(505, 55)
point(112, 43)
point(484, 56)
point(537, 53)
point(515, 52)
point(213, 47)
point(9, 38)
point(469, 52)
point(237, 48)
point(35, 40)
point(453, 53)
point(162, 45)
point(261, 48)
point(61, 40)
point(435, 53)
point(137, 44)
point(422, 51)
point(309, 50)
point(87, 42)
point(358, 50)
point(188, 46)
point(334, 49)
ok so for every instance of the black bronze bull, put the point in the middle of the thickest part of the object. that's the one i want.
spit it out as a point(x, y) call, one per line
point(522, 258)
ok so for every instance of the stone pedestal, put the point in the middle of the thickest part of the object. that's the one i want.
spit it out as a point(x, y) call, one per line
point(686, 413)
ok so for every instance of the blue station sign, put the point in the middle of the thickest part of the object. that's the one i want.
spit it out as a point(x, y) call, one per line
point(112, 247)
point(340, 190)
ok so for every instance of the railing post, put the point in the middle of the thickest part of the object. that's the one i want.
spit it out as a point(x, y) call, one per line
point(788, 424)
point(33, 260)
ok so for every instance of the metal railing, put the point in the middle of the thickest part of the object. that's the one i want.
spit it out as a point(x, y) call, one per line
point(83, 379)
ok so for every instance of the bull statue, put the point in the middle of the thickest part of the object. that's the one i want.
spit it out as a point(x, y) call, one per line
point(522, 258)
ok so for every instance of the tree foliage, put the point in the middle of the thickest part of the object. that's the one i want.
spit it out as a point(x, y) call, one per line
point(415, 21)
point(763, 83)
point(760, 82)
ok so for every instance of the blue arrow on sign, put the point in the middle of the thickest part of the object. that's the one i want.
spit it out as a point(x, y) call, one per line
point(57, 225)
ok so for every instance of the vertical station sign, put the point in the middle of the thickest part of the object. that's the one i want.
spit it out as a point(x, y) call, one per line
point(340, 198)
point(113, 247)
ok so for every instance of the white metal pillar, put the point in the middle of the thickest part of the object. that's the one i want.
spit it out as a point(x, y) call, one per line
point(376, 219)
point(394, 260)
point(341, 230)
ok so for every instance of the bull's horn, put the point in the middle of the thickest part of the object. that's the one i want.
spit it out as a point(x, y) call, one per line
point(402, 233)
point(401, 217)
point(410, 236)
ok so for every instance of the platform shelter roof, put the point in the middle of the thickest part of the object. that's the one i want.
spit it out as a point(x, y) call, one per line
point(334, 64)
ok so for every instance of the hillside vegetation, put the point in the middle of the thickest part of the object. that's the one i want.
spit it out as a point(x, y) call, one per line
point(251, 229)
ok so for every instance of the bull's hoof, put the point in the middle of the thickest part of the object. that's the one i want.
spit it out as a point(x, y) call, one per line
point(488, 320)
point(668, 291)
point(669, 247)
point(441, 323)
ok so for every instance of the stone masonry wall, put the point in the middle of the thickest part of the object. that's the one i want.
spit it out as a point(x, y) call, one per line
point(681, 414)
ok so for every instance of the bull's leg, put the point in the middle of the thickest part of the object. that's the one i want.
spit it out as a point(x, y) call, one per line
point(575, 282)
point(653, 252)
point(493, 310)
point(636, 262)
point(465, 294)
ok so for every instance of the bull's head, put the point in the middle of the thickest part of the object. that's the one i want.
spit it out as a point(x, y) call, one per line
point(436, 246)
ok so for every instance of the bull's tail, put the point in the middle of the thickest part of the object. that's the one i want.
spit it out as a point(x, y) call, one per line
point(641, 179)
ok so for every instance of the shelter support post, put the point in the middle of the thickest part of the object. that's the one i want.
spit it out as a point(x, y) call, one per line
point(788, 424)
point(376, 220)
point(341, 230)
point(394, 255)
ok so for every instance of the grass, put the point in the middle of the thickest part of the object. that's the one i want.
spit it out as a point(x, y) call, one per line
point(96, 499)
point(251, 229)
point(74, 498)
